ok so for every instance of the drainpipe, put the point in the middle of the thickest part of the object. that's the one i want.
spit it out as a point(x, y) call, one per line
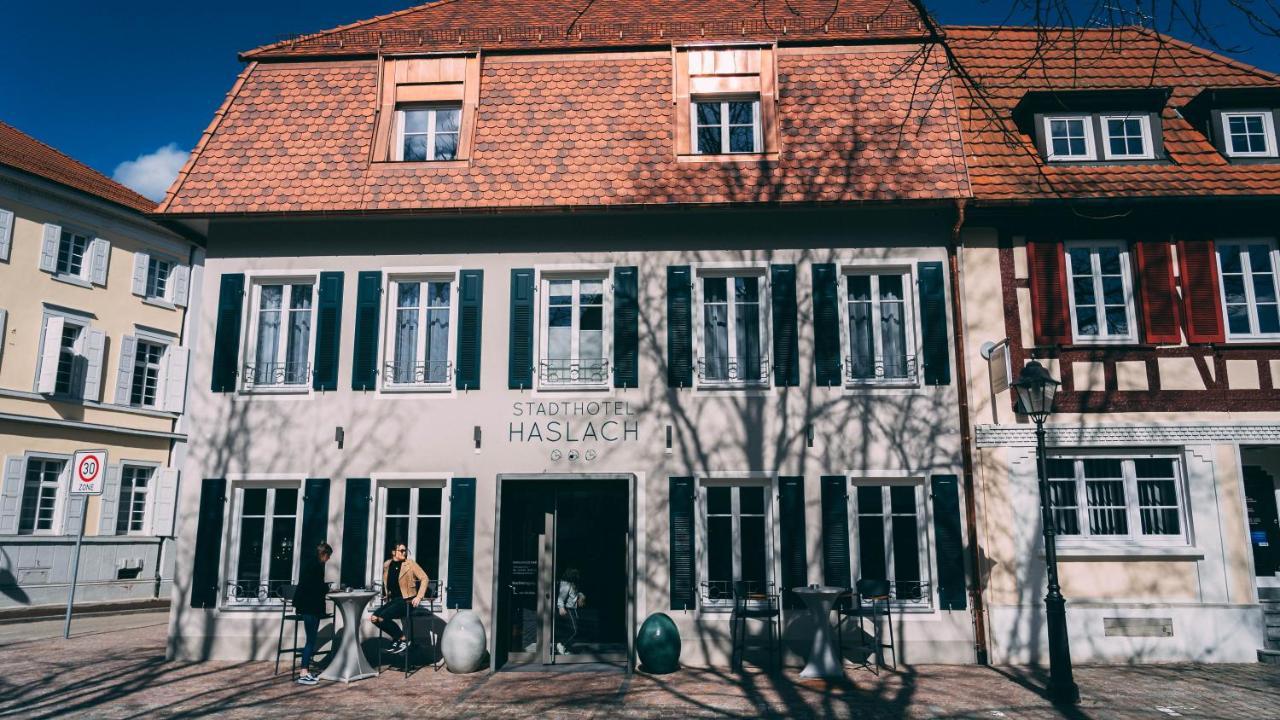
point(966, 441)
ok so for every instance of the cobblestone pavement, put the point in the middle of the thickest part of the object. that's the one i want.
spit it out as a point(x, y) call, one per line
point(114, 667)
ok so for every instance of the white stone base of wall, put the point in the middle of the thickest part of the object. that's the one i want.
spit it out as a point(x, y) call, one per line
point(1211, 633)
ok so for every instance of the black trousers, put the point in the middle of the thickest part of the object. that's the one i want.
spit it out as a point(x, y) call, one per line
point(390, 610)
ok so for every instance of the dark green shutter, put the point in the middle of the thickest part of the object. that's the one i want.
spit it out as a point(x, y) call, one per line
point(626, 327)
point(355, 532)
point(208, 556)
point(795, 561)
point(470, 306)
point(933, 324)
point(835, 531)
point(946, 534)
point(520, 347)
point(226, 341)
point(328, 331)
point(364, 357)
point(826, 324)
point(786, 356)
point(462, 540)
point(681, 531)
point(315, 518)
point(679, 326)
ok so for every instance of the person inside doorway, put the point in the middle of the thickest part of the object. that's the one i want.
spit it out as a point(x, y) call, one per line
point(309, 602)
point(568, 600)
point(404, 584)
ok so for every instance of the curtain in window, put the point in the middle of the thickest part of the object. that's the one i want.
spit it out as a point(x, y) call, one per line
point(559, 329)
point(406, 331)
point(591, 330)
point(747, 331)
point(437, 332)
point(716, 327)
point(861, 334)
point(296, 367)
point(271, 298)
point(893, 331)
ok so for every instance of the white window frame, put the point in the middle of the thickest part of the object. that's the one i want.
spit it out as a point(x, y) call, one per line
point(1126, 274)
point(61, 493)
point(1090, 148)
point(924, 528)
point(1250, 292)
point(769, 483)
point(86, 258)
point(161, 372)
point(377, 516)
point(543, 317)
point(1268, 129)
point(167, 295)
point(123, 511)
point(760, 272)
point(249, 342)
point(1144, 128)
point(388, 346)
point(1133, 517)
point(910, 320)
point(757, 141)
point(430, 109)
point(80, 321)
point(233, 543)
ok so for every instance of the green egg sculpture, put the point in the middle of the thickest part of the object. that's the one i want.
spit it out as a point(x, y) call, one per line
point(658, 645)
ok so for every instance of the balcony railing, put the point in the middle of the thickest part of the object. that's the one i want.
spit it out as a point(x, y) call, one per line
point(574, 371)
point(268, 375)
point(725, 371)
point(251, 593)
point(427, 373)
point(879, 369)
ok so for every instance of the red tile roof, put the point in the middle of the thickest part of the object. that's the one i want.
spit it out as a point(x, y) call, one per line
point(878, 123)
point(23, 152)
point(508, 24)
point(1007, 63)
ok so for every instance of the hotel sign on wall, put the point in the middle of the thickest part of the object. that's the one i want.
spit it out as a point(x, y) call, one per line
point(573, 423)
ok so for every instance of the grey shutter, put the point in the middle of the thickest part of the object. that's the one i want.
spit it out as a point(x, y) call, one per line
point(462, 540)
point(95, 345)
point(679, 326)
point(141, 261)
point(826, 324)
point(49, 247)
point(355, 532)
point(6, 233)
point(933, 325)
point(124, 373)
point(74, 512)
point(11, 494)
point(180, 282)
point(109, 501)
point(795, 560)
point(315, 518)
point(166, 500)
point(99, 259)
point(945, 493)
point(681, 530)
point(470, 315)
point(49, 354)
point(786, 355)
point(520, 343)
point(208, 552)
point(835, 531)
point(174, 393)
point(626, 327)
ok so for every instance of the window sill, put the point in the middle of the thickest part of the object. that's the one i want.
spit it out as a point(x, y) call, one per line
point(277, 390)
point(715, 386)
point(72, 280)
point(1237, 340)
point(1081, 342)
point(729, 158)
point(571, 387)
point(157, 302)
point(411, 389)
point(882, 385)
point(1100, 552)
point(421, 164)
point(72, 400)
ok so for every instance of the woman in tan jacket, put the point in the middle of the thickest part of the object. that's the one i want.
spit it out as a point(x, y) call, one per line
point(403, 581)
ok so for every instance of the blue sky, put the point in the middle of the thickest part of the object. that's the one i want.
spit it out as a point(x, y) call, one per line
point(109, 82)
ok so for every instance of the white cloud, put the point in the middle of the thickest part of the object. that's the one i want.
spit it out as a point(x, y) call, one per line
point(152, 173)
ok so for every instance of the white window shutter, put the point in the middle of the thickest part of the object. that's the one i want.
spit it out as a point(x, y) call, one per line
point(124, 374)
point(99, 257)
point(166, 498)
point(74, 514)
point(175, 378)
point(49, 248)
point(95, 346)
point(11, 494)
point(180, 281)
point(49, 355)
point(141, 261)
point(109, 507)
point(6, 233)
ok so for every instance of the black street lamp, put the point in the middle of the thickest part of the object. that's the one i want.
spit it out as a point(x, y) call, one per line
point(1036, 390)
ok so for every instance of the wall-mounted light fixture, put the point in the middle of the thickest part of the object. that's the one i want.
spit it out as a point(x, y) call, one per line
point(475, 433)
point(808, 435)
point(339, 435)
point(670, 433)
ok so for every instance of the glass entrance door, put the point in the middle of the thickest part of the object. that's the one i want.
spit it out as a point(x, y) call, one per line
point(564, 571)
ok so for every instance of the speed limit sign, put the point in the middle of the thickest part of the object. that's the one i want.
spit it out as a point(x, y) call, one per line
point(88, 472)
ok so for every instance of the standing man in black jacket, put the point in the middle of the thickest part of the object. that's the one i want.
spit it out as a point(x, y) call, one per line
point(309, 602)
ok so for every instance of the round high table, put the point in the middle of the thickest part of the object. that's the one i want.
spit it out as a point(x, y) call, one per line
point(824, 659)
point(349, 662)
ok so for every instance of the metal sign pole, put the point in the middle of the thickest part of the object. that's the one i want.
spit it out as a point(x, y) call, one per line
point(75, 572)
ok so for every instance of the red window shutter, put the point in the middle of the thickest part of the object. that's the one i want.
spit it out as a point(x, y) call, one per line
point(1201, 302)
point(1050, 314)
point(1158, 293)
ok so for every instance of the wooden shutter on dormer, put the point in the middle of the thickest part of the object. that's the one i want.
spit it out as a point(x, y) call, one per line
point(452, 80)
point(1201, 302)
point(1050, 314)
point(702, 73)
point(1156, 290)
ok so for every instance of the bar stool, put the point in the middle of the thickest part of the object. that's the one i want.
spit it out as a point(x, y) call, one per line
point(289, 613)
point(750, 605)
point(428, 608)
point(870, 600)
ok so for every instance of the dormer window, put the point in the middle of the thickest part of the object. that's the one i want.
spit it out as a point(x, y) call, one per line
point(1249, 134)
point(1094, 126)
point(1069, 138)
point(1126, 137)
point(428, 133)
point(427, 109)
point(725, 103)
point(727, 126)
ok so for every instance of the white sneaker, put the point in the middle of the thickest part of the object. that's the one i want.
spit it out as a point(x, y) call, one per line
point(308, 679)
point(398, 647)
point(560, 649)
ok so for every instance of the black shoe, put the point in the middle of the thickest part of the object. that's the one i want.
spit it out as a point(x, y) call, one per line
point(398, 647)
